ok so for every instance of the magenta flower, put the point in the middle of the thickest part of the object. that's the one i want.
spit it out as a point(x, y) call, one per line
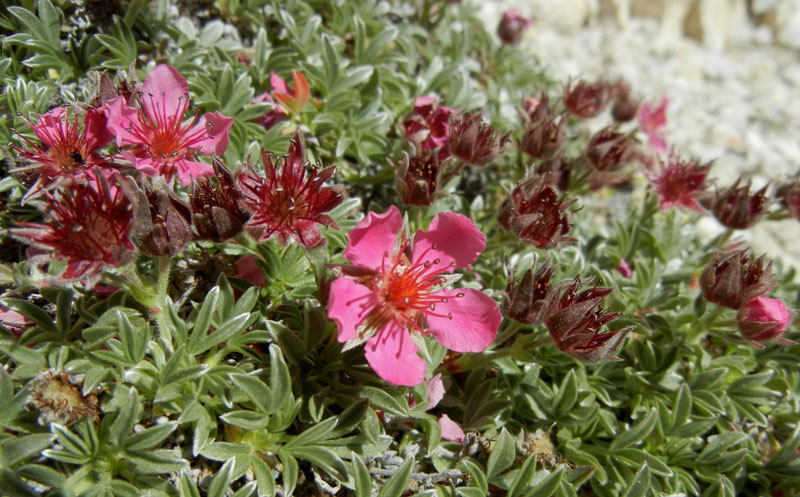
point(653, 121)
point(427, 126)
point(764, 320)
point(399, 293)
point(162, 143)
point(678, 182)
point(90, 223)
point(65, 147)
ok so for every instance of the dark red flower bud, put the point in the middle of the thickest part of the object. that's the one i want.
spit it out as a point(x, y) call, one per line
point(764, 320)
point(418, 178)
point(511, 27)
point(543, 137)
point(625, 106)
point(790, 196)
point(526, 298)
point(291, 201)
point(585, 99)
point(678, 182)
point(163, 222)
point(535, 214)
point(557, 169)
point(216, 214)
point(736, 208)
point(473, 141)
point(575, 319)
point(732, 279)
point(608, 149)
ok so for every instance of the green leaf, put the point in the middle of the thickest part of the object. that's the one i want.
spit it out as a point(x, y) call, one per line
point(523, 477)
point(226, 331)
point(478, 480)
point(22, 447)
point(33, 312)
point(248, 420)
point(567, 394)
point(502, 454)
point(398, 483)
point(263, 475)
point(723, 487)
point(637, 433)
point(224, 451)
point(150, 437)
point(186, 486)
point(350, 418)
point(289, 473)
point(320, 431)
point(694, 428)
point(279, 380)
point(361, 477)
point(720, 443)
point(547, 485)
point(259, 393)
point(203, 321)
point(127, 416)
point(682, 406)
point(640, 483)
point(223, 478)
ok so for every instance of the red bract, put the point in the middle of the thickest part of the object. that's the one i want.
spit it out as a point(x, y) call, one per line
point(65, 146)
point(575, 319)
point(473, 141)
point(216, 214)
point(89, 224)
point(161, 142)
point(290, 201)
point(427, 126)
point(733, 279)
point(736, 208)
point(163, 222)
point(679, 182)
point(526, 298)
point(542, 135)
point(536, 214)
point(586, 99)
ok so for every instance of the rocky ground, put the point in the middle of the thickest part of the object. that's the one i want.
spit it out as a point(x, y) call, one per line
point(739, 108)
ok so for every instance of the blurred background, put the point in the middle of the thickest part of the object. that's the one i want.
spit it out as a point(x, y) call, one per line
point(730, 68)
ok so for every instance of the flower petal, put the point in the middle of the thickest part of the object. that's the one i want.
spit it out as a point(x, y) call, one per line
point(278, 83)
point(187, 170)
point(247, 269)
point(465, 324)
point(450, 429)
point(372, 238)
point(163, 91)
point(120, 120)
point(450, 238)
point(434, 389)
point(349, 305)
point(218, 127)
point(393, 355)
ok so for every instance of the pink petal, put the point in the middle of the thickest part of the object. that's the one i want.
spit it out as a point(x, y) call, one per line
point(278, 83)
point(464, 324)
point(218, 128)
point(450, 429)
point(163, 90)
point(49, 123)
point(96, 130)
point(456, 239)
point(348, 306)
point(188, 170)
point(120, 119)
point(434, 389)
point(144, 165)
point(247, 269)
point(393, 355)
point(372, 238)
point(424, 104)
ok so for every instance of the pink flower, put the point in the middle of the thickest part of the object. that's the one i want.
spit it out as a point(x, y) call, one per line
point(398, 294)
point(624, 269)
point(65, 147)
point(764, 320)
point(90, 223)
point(162, 143)
point(654, 122)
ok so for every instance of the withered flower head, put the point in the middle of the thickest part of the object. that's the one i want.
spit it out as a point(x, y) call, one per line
point(625, 106)
point(557, 169)
point(586, 99)
point(736, 208)
point(574, 321)
point(427, 126)
point(678, 182)
point(535, 214)
point(418, 178)
point(790, 196)
point(512, 26)
point(608, 149)
point(59, 399)
point(290, 201)
point(474, 141)
point(526, 298)
point(216, 214)
point(90, 219)
point(733, 279)
point(163, 222)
